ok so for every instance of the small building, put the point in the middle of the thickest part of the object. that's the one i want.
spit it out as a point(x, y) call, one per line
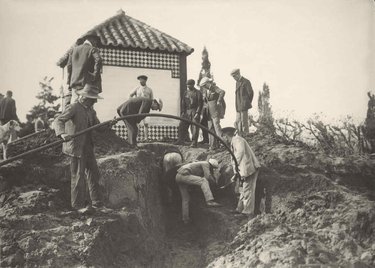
point(130, 48)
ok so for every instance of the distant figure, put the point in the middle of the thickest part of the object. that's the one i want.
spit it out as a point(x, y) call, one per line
point(191, 107)
point(143, 91)
point(83, 166)
point(28, 127)
point(214, 97)
point(244, 97)
point(137, 105)
point(39, 124)
point(248, 166)
point(84, 66)
point(1, 97)
point(199, 174)
point(8, 111)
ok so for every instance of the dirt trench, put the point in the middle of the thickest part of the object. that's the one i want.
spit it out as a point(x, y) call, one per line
point(39, 230)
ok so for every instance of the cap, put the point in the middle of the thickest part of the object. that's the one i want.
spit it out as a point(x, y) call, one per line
point(213, 162)
point(228, 131)
point(142, 77)
point(190, 82)
point(235, 71)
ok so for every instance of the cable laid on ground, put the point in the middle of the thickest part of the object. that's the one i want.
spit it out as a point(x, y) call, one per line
point(56, 143)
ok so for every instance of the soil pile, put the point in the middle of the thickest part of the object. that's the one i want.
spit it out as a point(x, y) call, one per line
point(323, 212)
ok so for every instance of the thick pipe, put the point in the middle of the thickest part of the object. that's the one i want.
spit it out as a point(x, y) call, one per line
point(56, 143)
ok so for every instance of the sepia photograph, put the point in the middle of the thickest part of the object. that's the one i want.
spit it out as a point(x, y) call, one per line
point(187, 133)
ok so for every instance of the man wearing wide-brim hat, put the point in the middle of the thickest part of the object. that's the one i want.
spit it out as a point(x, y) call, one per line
point(76, 117)
point(84, 65)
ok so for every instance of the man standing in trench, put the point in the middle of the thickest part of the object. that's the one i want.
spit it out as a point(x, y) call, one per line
point(244, 97)
point(248, 166)
point(75, 118)
point(137, 105)
point(197, 173)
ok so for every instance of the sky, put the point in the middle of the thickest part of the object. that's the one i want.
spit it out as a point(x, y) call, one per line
point(316, 56)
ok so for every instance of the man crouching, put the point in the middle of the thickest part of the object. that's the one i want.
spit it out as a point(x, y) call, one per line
point(75, 118)
point(196, 173)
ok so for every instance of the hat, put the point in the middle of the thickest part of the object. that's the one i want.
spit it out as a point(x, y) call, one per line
point(228, 131)
point(89, 35)
point(213, 163)
point(235, 71)
point(190, 82)
point(89, 91)
point(160, 103)
point(142, 77)
point(204, 81)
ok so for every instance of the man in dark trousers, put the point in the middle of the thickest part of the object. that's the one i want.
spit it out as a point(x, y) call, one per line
point(84, 66)
point(8, 109)
point(137, 105)
point(244, 97)
point(191, 107)
point(214, 97)
point(84, 169)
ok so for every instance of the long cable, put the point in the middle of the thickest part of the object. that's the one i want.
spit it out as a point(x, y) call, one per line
point(56, 143)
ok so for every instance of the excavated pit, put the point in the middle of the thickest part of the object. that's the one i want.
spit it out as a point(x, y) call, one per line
point(38, 229)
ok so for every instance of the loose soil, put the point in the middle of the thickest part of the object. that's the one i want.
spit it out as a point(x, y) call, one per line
point(323, 212)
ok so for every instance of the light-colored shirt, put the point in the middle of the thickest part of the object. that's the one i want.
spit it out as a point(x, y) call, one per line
point(142, 91)
point(200, 169)
point(247, 161)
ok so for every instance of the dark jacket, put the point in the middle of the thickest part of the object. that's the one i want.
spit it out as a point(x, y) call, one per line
point(8, 109)
point(192, 100)
point(75, 118)
point(84, 66)
point(213, 96)
point(136, 105)
point(244, 95)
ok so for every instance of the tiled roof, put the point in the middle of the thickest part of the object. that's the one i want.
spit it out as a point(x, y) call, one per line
point(123, 31)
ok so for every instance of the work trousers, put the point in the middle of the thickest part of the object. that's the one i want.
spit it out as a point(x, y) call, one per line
point(184, 127)
point(214, 126)
point(242, 122)
point(132, 131)
point(246, 202)
point(204, 122)
point(84, 171)
point(183, 181)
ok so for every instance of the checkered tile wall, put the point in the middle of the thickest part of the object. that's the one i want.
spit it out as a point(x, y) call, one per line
point(141, 59)
point(154, 132)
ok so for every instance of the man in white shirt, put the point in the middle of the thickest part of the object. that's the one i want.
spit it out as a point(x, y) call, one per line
point(143, 91)
point(248, 166)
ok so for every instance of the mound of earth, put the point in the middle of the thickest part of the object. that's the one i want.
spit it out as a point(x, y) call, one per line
point(323, 212)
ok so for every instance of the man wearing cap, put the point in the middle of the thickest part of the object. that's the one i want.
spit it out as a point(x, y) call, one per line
point(137, 105)
point(248, 166)
point(197, 173)
point(214, 97)
point(76, 117)
point(191, 107)
point(143, 91)
point(84, 66)
point(244, 97)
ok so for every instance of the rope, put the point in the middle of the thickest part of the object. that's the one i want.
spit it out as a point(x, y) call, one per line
point(56, 143)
